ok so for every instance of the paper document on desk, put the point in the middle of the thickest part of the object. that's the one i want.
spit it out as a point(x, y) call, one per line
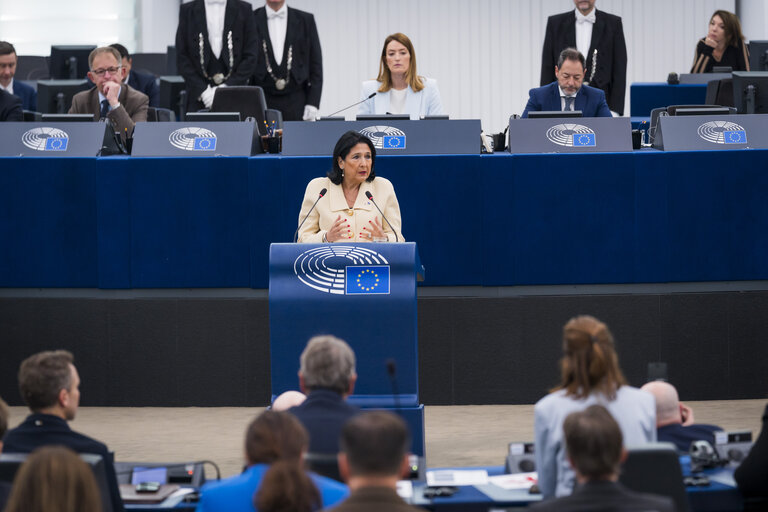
point(405, 489)
point(515, 481)
point(457, 477)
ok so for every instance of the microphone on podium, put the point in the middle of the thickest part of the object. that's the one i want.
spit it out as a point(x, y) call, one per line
point(319, 197)
point(369, 196)
point(354, 104)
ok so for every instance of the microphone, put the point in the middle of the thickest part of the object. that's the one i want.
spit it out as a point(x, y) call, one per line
point(319, 197)
point(397, 239)
point(354, 104)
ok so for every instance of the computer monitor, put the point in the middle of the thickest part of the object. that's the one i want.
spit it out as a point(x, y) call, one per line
point(750, 92)
point(553, 114)
point(55, 96)
point(69, 62)
point(383, 117)
point(206, 117)
point(703, 111)
point(758, 55)
point(171, 87)
point(69, 118)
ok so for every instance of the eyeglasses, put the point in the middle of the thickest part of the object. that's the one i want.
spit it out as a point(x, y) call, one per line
point(101, 71)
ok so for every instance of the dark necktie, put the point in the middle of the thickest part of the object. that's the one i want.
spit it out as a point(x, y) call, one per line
point(568, 103)
point(104, 109)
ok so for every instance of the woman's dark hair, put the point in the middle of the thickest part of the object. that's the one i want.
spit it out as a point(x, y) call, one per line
point(343, 146)
point(589, 360)
point(279, 439)
point(732, 26)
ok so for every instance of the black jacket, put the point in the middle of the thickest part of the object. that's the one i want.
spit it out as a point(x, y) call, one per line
point(607, 39)
point(239, 19)
point(606, 496)
point(323, 414)
point(10, 107)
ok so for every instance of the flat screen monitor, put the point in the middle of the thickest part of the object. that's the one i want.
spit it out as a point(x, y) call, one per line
point(212, 116)
point(750, 92)
point(443, 117)
point(758, 55)
point(384, 117)
point(55, 96)
point(553, 114)
point(69, 118)
point(703, 111)
point(171, 87)
point(331, 118)
point(69, 62)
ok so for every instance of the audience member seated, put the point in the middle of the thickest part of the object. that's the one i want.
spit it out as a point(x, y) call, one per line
point(54, 479)
point(8, 62)
point(275, 479)
point(590, 375)
point(674, 420)
point(111, 98)
point(288, 399)
point(50, 386)
point(594, 447)
point(327, 376)
point(723, 46)
point(142, 82)
point(5, 487)
point(752, 475)
point(399, 88)
point(568, 92)
point(10, 107)
point(374, 456)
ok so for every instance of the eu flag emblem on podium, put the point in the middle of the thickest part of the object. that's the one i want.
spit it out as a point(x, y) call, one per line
point(735, 137)
point(584, 139)
point(205, 143)
point(393, 142)
point(367, 279)
point(56, 143)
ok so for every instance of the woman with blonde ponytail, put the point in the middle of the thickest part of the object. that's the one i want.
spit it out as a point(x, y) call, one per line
point(590, 374)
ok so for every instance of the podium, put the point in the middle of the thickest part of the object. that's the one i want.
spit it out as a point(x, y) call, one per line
point(364, 294)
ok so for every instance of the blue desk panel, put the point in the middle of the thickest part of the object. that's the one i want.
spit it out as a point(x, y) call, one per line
point(645, 96)
point(491, 220)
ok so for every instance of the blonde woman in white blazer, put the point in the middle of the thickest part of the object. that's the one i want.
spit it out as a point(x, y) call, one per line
point(399, 89)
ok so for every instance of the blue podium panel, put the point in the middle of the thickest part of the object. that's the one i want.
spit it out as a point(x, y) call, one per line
point(570, 135)
point(193, 139)
point(52, 139)
point(688, 133)
point(644, 97)
point(362, 293)
point(430, 136)
point(48, 222)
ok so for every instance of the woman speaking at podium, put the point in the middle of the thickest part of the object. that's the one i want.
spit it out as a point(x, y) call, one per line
point(398, 88)
point(344, 207)
point(723, 46)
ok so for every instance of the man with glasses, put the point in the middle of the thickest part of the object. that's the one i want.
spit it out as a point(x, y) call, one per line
point(111, 98)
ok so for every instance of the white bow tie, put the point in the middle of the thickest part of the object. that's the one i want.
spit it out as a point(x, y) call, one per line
point(271, 15)
point(589, 18)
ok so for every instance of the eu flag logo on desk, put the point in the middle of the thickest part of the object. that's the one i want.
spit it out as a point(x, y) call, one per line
point(367, 279)
point(56, 144)
point(735, 137)
point(584, 139)
point(205, 143)
point(394, 142)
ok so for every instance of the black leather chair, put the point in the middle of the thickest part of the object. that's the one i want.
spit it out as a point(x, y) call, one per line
point(655, 468)
point(249, 100)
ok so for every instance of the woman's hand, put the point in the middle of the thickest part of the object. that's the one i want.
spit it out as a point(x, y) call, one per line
point(339, 227)
point(710, 42)
point(373, 230)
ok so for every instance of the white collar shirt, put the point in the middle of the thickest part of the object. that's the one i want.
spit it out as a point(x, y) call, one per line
point(563, 96)
point(584, 26)
point(214, 20)
point(277, 23)
point(9, 88)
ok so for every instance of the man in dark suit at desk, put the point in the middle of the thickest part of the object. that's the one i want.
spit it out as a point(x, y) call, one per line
point(216, 45)
point(8, 61)
point(374, 456)
point(594, 445)
point(50, 386)
point(327, 376)
point(140, 81)
point(10, 107)
point(599, 36)
point(568, 92)
point(290, 66)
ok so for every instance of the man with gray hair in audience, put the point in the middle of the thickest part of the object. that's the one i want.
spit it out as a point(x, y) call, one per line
point(327, 376)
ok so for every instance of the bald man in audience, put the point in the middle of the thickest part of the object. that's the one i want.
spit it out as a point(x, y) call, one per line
point(674, 420)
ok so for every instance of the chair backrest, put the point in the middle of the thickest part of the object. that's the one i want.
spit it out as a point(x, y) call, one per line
point(655, 468)
point(11, 462)
point(325, 464)
point(712, 87)
point(150, 63)
point(249, 100)
point(160, 115)
point(32, 67)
